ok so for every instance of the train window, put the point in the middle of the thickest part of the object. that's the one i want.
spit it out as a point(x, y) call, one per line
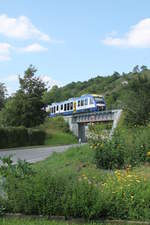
point(57, 107)
point(71, 106)
point(79, 103)
point(51, 110)
point(82, 102)
point(99, 100)
point(54, 109)
point(91, 101)
point(61, 107)
point(65, 107)
point(86, 101)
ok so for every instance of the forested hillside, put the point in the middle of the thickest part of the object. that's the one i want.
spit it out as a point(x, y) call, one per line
point(113, 87)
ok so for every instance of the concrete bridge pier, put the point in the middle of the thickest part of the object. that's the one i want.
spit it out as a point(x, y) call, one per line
point(78, 129)
point(81, 132)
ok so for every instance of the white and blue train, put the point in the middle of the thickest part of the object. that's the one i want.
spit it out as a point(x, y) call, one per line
point(85, 103)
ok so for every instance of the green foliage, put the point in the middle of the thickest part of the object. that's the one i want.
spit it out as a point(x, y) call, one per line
point(109, 152)
point(56, 123)
point(26, 107)
point(20, 136)
point(2, 95)
point(125, 147)
point(20, 170)
point(138, 101)
point(57, 132)
point(10, 173)
point(83, 200)
point(39, 221)
point(98, 85)
point(54, 190)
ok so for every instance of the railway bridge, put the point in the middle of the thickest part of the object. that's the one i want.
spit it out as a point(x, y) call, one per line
point(79, 122)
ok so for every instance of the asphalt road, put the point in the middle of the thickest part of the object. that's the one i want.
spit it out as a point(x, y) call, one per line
point(34, 154)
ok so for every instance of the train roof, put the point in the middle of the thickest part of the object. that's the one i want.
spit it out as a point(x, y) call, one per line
point(77, 98)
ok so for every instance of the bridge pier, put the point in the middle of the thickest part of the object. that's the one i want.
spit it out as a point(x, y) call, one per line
point(78, 129)
point(78, 123)
point(81, 132)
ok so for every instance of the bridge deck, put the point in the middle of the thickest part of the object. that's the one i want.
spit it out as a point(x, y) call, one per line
point(93, 116)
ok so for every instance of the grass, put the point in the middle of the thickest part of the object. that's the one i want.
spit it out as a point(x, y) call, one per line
point(29, 221)
point(60, 138)
point(78, 160)
point(57, 132)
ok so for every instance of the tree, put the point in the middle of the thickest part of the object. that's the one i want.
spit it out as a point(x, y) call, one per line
point(3, 92)
point(138, 101)
point(136, 69)
point(143, 68)
point(26, 107)
point(116, 75)
point(53, 95)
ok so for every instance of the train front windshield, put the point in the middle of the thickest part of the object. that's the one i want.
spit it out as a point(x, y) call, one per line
point(99, 100)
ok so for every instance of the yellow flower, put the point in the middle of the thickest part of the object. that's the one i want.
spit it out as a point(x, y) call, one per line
point(148, 153)
point(129, 176)
point(138, 181)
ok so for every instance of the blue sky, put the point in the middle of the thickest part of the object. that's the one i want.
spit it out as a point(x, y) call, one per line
point(71, 40)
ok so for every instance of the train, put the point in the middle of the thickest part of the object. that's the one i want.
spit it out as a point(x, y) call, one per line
point(82, 104)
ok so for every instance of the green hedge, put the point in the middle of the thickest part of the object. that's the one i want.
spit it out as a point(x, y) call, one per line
point(20, 136)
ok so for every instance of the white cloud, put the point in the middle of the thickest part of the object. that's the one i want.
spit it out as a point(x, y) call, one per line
point(50, 81)
point(20, 27)
point(35, 47)
point(12, 78)
point(5, 51)
point(138, 36)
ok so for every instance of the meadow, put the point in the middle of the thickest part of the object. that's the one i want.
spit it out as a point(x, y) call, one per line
point(70, 184)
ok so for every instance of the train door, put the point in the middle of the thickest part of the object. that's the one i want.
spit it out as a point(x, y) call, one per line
point(74, 107)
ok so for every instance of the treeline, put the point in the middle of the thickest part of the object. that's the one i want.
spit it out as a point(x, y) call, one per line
point(129, 91)
point(113, 87)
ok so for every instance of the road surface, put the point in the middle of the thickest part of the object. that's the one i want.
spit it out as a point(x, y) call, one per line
point(34, 154)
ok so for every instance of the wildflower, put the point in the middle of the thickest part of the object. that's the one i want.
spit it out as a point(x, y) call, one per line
point(129, 176)
point(138, 181)
point(148, 153)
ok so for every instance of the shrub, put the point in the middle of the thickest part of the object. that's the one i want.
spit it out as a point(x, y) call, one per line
point(129, 196)
point(20, 136)
point(83, 200)
point(56, 123)
point(109, 152)
point(125, 147)
point(121, 194)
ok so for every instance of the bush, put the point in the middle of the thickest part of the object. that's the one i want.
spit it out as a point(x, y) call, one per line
point(56, 123)
point(83, 200)
point(20, 136)
point(119, 194)
point(129, 196)
point(126, 147)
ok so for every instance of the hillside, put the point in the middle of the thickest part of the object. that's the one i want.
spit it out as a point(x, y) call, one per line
point(113, 87)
